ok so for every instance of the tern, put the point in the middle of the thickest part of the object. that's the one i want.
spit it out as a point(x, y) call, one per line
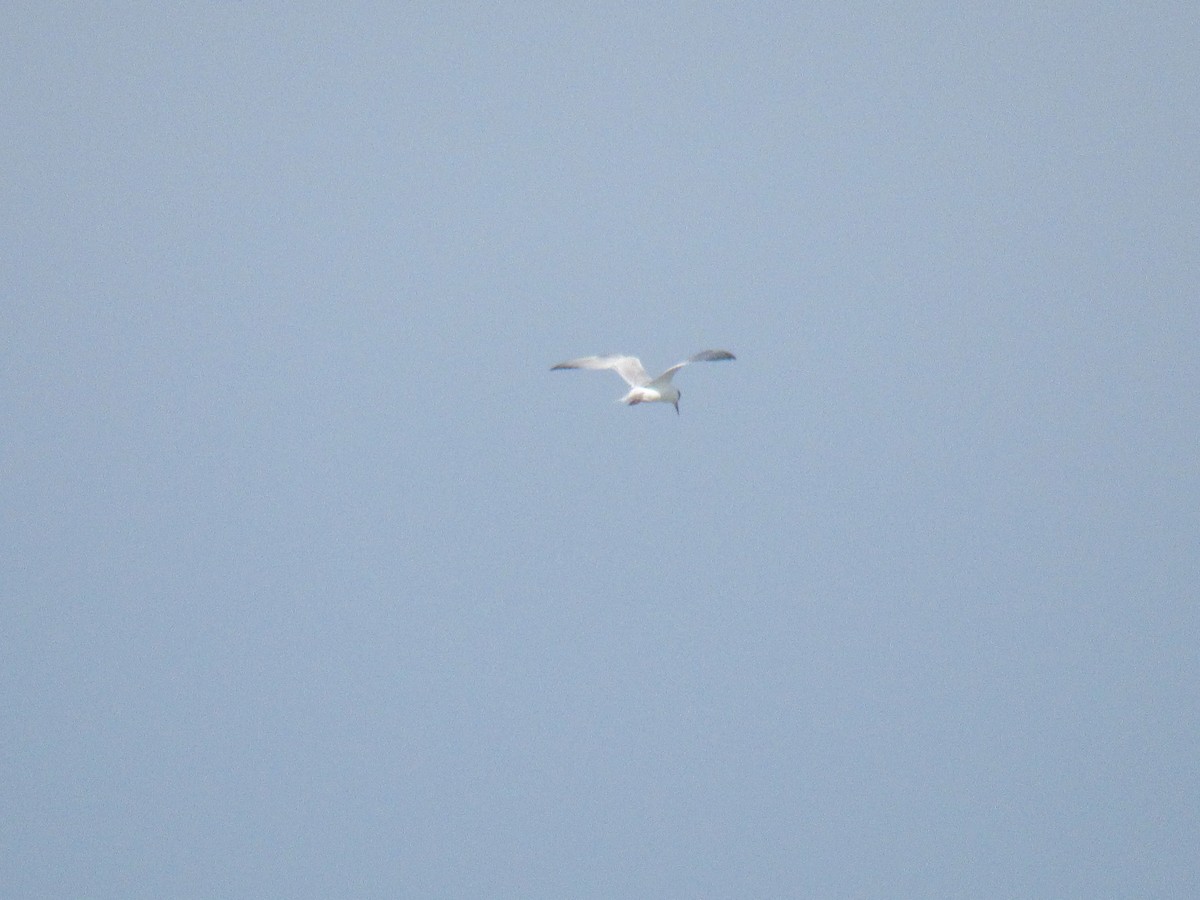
point(643, 388)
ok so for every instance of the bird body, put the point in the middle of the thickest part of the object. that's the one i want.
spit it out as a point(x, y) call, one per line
point(643, 388)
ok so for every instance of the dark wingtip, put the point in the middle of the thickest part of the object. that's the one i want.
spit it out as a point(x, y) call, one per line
point(712, 356)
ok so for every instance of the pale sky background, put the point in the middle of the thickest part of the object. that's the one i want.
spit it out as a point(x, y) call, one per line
point(318, 583)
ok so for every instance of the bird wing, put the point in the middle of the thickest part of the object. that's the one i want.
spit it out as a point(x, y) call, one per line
point(628, 367)
point(702, 356)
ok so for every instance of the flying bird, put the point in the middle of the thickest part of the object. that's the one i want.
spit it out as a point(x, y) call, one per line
point(643, 388)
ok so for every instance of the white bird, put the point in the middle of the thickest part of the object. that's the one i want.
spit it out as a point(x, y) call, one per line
point(643, 388)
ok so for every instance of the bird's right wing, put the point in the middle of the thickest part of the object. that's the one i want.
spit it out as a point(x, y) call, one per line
point(702, 356)
point(628, 367)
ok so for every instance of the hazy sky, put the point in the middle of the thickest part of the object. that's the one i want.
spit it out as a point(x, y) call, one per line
point(318, 583)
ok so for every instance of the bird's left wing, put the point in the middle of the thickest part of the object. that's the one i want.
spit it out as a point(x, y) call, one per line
point(628, 367)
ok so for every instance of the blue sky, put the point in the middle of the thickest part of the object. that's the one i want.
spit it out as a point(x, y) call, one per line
point(320, 583)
